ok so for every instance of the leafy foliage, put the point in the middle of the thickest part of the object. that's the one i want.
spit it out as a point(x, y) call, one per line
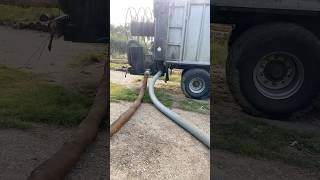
point(118, 40)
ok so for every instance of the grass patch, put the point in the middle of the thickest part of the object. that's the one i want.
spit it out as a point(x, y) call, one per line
point(10, 15)
point(195, 106)
point(219, 47)
point(28, 99)
point(89, 58)
point(219, 53)
point(121, 93)
point(162, 95)
point(14, 123)
point(175, 77)
point(170, 85)
point(117, 66)
point(255, 138)
point(116, 54)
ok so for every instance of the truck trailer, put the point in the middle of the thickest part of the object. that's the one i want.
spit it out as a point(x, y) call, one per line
point(180, 38)
point(84, 21)
point(179, 31)
point(273, 60)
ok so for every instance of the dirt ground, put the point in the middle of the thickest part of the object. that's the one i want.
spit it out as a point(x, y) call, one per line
point(18, 49)
point(231, 166)
point(234, 167)
point(151, 146)
point(24, 150)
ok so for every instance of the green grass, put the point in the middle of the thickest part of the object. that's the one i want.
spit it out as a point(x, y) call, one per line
point(219, 53)
point(117, 66)
point(10, 15)
point(164, 97)
point(27, 99)
point(117, 55)
point(257, 139)
point(174, 77)
point(170, 85)
point(194, 105)
point(121, 93)
point(14, 123)
point(89, 58)
point(219, 48)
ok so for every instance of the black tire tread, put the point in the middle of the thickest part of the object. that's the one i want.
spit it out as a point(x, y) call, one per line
point(235, 49)
point(185, 74)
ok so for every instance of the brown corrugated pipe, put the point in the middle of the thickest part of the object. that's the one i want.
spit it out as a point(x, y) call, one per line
point(125, 117)
point(58, 166)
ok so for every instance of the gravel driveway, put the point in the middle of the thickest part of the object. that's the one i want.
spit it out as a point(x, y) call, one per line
point(150, 146)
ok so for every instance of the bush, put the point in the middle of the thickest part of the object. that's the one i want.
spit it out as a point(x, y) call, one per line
point(118, 41)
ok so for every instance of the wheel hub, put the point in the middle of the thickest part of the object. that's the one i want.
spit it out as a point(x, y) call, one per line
point(278, 75)
point(275, 71)
point(197, 85)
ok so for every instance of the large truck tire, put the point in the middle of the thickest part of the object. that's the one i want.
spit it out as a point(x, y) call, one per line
point(195, 83)
point(273, 69)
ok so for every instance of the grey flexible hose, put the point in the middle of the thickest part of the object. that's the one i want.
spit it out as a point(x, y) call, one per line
point(192, 129)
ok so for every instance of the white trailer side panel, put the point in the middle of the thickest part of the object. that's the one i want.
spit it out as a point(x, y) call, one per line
point(189, 32)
